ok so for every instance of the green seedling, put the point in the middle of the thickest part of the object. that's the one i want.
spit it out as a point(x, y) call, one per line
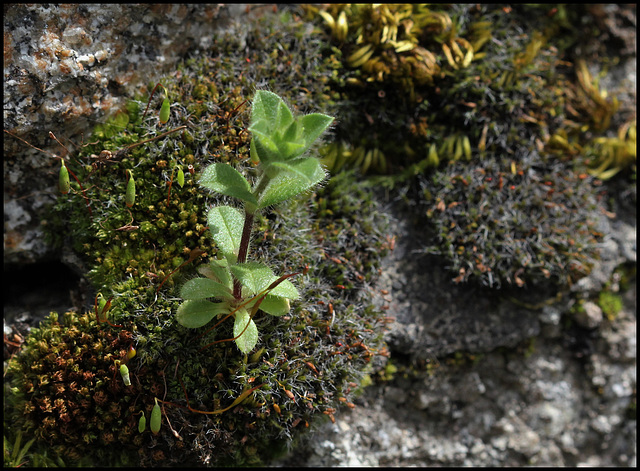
point(232, 286)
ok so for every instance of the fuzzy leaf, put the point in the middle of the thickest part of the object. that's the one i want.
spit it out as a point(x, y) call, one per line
point(225, 179)
point(290, 179)
point(264, 149)
point(249, 338)
point(294, 132)
point(277, 136)
point(284, 118)
point(217, 270)
point(202, 288)
point(253, 152)
point(285, 289)
point(256, 277)
point(290, 150)
point(195, 313)
point(265, 107)
point(275, 305)
point(314, 125)
point(225, 224)
point(269, 113)
point(291, 145)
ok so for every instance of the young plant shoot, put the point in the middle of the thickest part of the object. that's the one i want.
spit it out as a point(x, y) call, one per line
point(234, 286)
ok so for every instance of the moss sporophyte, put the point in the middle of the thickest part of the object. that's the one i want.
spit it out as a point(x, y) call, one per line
point(233, 286)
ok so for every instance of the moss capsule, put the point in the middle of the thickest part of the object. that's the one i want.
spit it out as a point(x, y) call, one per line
point(180, 177)
point(124, 372)
point(164, 110)
point(63, 179)
point(130, 196)
point(156, 418)
point(142, 423)
point(131, 352)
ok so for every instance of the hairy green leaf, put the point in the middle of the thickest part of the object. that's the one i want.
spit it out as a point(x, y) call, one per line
point(217, 270)
point(249, 337)
point(195, 313)
point(256, 277)
point(225, 224)
point(225, 179)
point(291, 179)
point(202, 288)
point(269, 107)
point(264, 149)
point(275, 305)
point(314, 125)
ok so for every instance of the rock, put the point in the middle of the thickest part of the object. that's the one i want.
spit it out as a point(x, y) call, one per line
point(66, 67)
point(590, 316)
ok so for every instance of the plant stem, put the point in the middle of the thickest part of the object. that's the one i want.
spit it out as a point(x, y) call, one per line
point(243, 250)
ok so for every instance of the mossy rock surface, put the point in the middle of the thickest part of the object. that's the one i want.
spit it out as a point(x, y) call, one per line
point(306, 365)
point(498, 159)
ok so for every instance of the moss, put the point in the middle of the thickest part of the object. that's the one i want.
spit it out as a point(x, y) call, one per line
point(307, 364)
point(65, 394)
point(610, 303)
point(497, 144)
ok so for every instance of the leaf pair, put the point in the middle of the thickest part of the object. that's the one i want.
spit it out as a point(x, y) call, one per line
point(284, 180)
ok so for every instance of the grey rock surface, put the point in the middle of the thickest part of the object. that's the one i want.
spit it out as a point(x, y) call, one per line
point(531, 392)
point(67, 67)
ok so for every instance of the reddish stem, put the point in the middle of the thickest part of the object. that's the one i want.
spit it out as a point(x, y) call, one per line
point(242, 251)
